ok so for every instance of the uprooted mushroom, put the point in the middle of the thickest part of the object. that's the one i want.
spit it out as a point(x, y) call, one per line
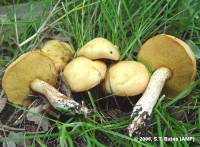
point(36, 71)
point(175, 69)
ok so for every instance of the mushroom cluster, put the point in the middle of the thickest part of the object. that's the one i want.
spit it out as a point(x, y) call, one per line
point(87, 70)
point(171, 59)
point(124, 78)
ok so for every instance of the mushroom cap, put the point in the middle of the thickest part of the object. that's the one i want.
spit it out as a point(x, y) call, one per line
point(83, 74)
point(60, 52)
point(19, 75)
point(99, 48)
point(126, 78)
point(168, 51)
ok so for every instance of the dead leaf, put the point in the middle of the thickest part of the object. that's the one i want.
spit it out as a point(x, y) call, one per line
point(9, 144)
point(16, 142)
point(35, 116)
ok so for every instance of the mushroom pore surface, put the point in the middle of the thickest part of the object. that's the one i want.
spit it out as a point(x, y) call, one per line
point(170, 52)
point(19, 75)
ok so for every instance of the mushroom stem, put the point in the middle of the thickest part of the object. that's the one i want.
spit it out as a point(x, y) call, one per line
point(58, 100)
point(143, 108)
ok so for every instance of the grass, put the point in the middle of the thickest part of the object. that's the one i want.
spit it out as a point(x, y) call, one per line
point(127, 23)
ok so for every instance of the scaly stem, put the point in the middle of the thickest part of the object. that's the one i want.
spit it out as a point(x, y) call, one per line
point(58, 100)
point(143, 108)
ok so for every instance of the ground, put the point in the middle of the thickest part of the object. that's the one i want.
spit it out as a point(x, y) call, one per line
point(26, 25)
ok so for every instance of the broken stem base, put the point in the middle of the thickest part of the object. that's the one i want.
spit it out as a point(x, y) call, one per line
point(143, 108)
point(58, 100)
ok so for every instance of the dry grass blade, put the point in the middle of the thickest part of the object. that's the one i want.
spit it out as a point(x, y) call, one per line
point(2, 103)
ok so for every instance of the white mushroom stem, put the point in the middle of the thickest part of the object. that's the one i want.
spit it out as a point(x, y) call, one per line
point(58, 100)
point(143, 108)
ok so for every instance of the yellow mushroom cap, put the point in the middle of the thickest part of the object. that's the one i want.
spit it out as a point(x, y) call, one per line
point(60, 52)
point(83, 74)
point(168, 51)
point(99, 48)
point(126, 78)
point(19, 75)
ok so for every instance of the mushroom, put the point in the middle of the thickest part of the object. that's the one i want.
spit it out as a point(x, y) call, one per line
point(175, 69)
point(83, 74)
point(85, 71)
point(60, 52)
point(99, 48)
point(35, 70)
point(126, 78)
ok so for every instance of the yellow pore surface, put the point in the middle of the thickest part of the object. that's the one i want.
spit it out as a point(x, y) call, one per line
point(168, 51)
point(19, 75)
